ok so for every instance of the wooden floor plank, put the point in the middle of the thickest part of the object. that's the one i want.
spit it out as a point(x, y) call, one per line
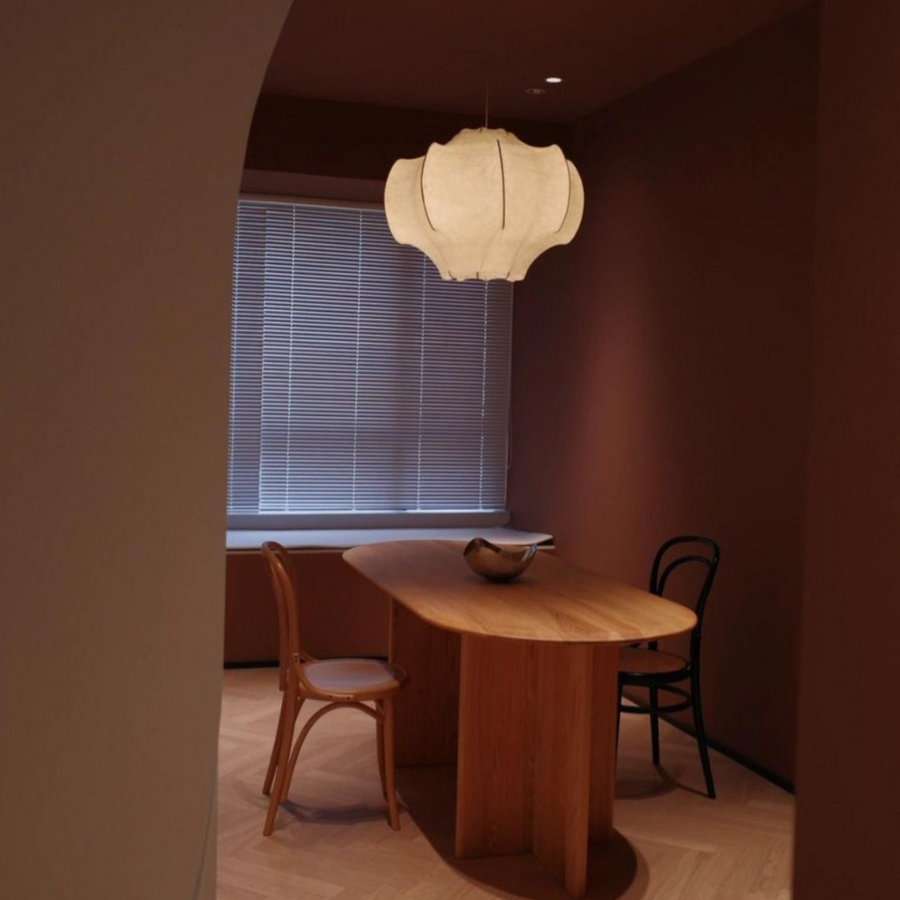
point(332, 839)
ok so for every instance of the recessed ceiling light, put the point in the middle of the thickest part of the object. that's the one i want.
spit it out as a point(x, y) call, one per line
point(553, 79)
point(535, 91)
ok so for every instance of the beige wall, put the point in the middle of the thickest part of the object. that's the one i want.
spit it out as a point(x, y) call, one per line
point(123, 127)
point(848, 774)
point(660, 362)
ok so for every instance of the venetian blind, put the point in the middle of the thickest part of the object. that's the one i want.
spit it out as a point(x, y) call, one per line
point(361, 382)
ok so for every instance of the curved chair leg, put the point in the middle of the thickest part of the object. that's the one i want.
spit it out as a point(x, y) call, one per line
point(388, 751)
point(304, 733)
point(701, 737)
point(654, 724)
point(276, 747)
point(379, 744)
point(290, 709)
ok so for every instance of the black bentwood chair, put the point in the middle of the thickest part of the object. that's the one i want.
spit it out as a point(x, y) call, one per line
point(654, 669)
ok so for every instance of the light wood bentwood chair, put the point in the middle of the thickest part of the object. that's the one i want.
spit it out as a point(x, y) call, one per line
point(341, 682)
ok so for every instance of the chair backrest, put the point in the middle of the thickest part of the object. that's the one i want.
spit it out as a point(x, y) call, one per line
point(684, 551)
point(281, 572)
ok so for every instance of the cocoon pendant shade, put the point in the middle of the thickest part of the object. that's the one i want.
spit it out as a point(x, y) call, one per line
point(484, 205)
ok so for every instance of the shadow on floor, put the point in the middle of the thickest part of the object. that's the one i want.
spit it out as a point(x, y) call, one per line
point(652, 781)
point(616, 871)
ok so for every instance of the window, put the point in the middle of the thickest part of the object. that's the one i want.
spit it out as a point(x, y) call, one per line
point(363, 388)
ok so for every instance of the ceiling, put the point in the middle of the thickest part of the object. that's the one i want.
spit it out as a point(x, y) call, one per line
point(433, 55)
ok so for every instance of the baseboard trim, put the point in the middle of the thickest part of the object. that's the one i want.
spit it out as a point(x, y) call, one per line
point(739, 758)
point(255, 664)
point(273, 663)
point(725, 750)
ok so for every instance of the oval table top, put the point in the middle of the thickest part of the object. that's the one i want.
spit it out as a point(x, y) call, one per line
point(551, 601)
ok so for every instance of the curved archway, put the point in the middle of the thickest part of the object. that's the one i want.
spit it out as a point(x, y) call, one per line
point(123, 140)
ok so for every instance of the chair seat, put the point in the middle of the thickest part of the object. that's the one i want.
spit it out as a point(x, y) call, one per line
point(363, 678)
point(643, 662)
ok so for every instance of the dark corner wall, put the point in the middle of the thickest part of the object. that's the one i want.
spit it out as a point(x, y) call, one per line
point(661, 361)
point(848, 779)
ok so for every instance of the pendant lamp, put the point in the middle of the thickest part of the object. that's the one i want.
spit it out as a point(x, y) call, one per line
point(484, 205)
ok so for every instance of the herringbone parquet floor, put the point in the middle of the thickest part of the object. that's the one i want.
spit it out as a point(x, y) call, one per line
point(331, 839)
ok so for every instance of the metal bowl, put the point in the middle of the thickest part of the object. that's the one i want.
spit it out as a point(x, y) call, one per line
point(498, 563)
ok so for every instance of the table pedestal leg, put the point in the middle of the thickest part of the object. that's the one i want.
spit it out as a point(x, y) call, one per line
point(495, 755)
point(530, 726)
point(536, 745)
point(562, 765)
point(426, 709)
point(603, 742)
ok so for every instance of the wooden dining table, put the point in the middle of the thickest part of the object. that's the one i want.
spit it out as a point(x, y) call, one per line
point(517, 684)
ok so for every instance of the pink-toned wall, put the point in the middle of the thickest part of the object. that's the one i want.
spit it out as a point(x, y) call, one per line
point(848, 777)
point(661, 361)
point(341, 613)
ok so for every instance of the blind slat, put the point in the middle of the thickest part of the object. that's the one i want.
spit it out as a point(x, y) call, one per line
point(361, 382)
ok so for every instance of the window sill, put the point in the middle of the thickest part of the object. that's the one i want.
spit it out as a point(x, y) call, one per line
point(244, 540)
